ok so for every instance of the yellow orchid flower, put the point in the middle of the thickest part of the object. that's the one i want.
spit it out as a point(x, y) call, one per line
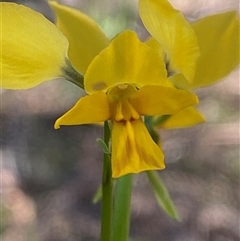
point(218, 39)
point(125, 81)
point(33, 49)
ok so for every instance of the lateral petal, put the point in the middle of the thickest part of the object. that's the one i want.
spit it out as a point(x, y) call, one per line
point(89, 109)
point(158, 100)
point(33, 49)
point(184, 118)
point(125, 60)
point(133, 149)
point(218, 38)
point(174, 34)
point(85, 37)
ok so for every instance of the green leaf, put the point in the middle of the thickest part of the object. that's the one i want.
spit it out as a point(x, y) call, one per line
point(103, 145)
point(98, 195)
point(162, 195)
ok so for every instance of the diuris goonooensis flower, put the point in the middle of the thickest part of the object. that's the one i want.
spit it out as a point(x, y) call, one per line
point(218, 39)
point(126, 81)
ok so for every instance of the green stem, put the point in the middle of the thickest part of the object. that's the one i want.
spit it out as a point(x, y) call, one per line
point(160, 120)
point(122, 208)
point(107, 186)
point(72, 75)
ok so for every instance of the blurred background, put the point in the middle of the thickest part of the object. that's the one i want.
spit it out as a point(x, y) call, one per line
point(49, 177)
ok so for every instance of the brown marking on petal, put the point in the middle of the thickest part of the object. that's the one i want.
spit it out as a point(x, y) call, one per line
point(99, 85)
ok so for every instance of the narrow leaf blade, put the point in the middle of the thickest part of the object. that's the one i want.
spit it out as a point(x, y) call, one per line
point(162, 195)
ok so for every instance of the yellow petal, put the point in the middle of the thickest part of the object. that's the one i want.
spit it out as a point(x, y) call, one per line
point(157, 100)
point(85, 37)
point(153, 43)
point(89, 109)
point(185, 118)
point(173, 32)
point(133, 150)
point(125, 60)
point(180, 82)
point(218, 38)
point(33, 49)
